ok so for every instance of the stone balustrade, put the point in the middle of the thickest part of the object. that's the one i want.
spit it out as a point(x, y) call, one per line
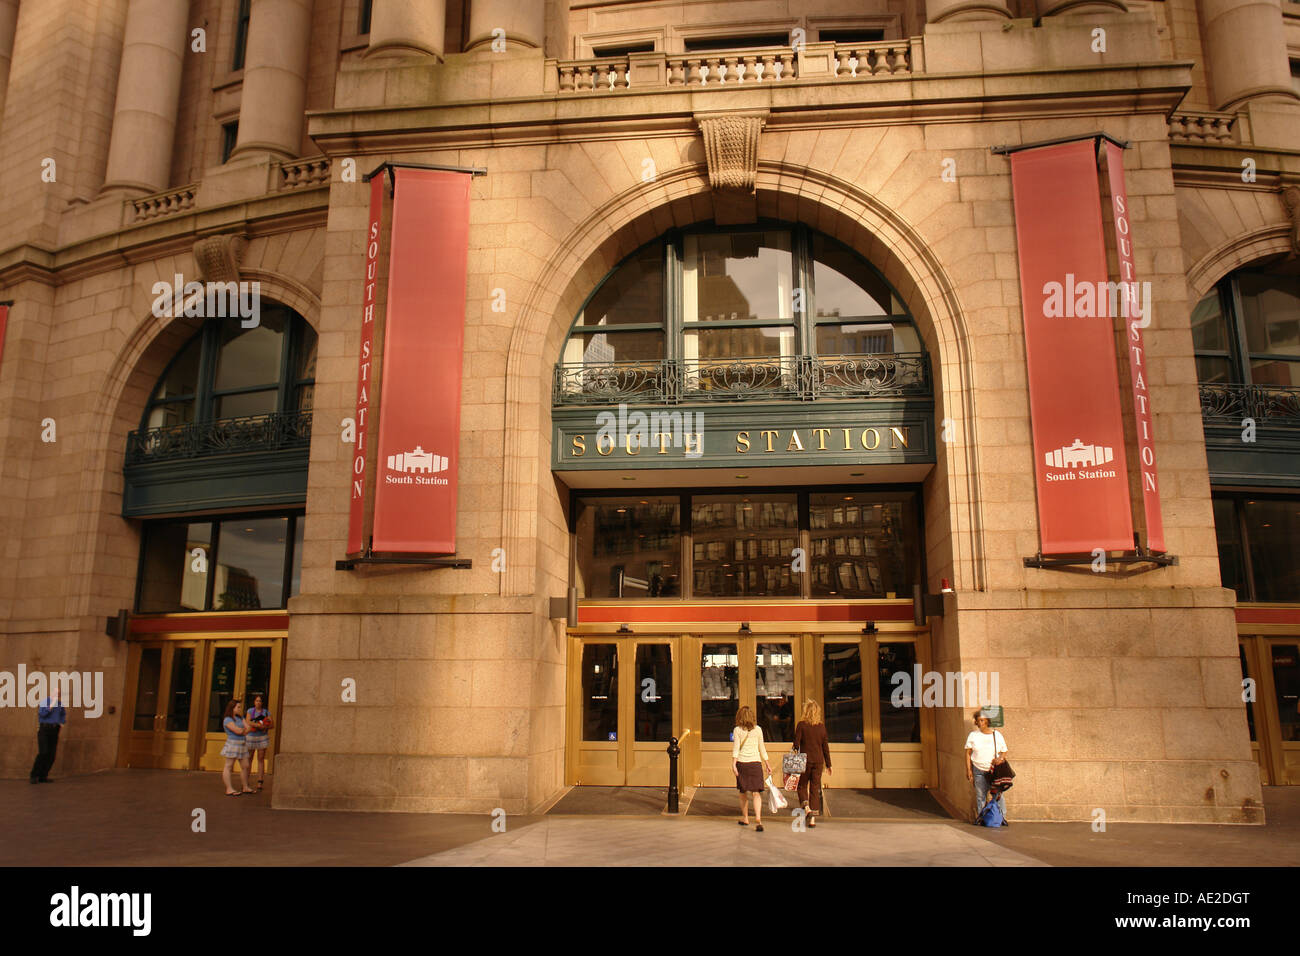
point(303, 173)
point(1193, 127)
point(863, 60)
point(160, 205)
point(594, 76)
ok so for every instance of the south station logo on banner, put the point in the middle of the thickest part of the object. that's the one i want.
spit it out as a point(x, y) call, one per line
point(414, 461)
point(1070, 305)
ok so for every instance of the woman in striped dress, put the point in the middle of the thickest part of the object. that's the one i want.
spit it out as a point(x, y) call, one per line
point(257, 741)
point(235, 748)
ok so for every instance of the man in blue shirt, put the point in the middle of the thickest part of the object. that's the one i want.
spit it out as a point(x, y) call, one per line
point(52, 716)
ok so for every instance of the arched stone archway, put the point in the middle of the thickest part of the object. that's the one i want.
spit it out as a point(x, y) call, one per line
point(118, 405)
point(1233, 254)
point(786, 192)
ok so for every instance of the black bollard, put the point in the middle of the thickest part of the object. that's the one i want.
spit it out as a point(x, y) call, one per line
point(673, 751)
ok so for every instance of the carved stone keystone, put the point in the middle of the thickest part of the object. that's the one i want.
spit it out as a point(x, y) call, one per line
point(218, 257)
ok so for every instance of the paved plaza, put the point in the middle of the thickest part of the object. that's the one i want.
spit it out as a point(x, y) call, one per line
point(147, 818)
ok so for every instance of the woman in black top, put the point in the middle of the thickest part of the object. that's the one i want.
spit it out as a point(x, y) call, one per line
point(810, 738)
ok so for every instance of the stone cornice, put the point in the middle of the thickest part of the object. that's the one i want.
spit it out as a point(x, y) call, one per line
point(1220, 166)
point(175, 235)
point(796, 105)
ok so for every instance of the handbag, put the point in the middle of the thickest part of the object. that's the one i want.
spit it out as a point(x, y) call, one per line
point(1001, 773)
point(794, 762)
point(792, 781)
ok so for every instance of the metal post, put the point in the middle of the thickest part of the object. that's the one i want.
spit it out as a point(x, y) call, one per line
point(673, 751)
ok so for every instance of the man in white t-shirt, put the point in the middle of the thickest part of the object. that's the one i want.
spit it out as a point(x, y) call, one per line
point(985, 747)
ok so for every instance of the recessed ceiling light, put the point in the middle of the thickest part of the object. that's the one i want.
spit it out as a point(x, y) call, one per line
point(248, 530)
point(629, 478)
point(622, 510)
point(742, 476)
point(848, 497)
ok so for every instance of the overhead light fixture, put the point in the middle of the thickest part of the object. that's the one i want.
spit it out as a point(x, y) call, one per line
point(742, 476)
point(629, 478)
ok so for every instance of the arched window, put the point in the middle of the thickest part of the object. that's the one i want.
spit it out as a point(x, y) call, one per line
point(763, 311)
point(227, 371)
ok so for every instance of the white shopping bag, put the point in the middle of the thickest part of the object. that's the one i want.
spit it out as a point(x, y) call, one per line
point(775, 801)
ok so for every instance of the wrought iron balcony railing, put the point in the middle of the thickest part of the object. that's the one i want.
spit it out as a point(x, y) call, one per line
point(761, 378)
point(275, 432)
point(1277, 406)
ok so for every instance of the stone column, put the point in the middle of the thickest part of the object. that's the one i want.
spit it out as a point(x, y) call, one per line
point(8, 26)
point(274, 96)
point(1056, 8)
point(407, 27)
point(148, 95)
point(953, 11)
point(524, 23)
point(1245, 45)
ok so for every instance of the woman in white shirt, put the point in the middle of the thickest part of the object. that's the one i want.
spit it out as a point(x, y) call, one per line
point(750, 764)
point(985, 749)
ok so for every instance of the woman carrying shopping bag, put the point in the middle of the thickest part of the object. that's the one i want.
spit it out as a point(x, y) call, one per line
point(746, 750)
point(810, 738)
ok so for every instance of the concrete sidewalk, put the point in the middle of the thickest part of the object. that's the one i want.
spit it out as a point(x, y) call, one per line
point(145, 817)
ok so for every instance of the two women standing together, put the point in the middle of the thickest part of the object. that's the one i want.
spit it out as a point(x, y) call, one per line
point(246, 735)
point(749, 762)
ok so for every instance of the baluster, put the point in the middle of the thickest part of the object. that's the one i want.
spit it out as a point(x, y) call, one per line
point(749, 68)
point(582, 78)
point(715, 68)
point(841, 62)
point(730, 68)
point(787, 66)
point(676, 72)
point(696, 71)
point(566, 78)
point(767, 70)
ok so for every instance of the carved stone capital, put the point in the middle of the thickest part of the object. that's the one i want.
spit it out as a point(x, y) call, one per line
point(731, 148)
point(218, 257)
point(1291, 199)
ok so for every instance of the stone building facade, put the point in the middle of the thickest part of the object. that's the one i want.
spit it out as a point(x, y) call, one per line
point(227, 141)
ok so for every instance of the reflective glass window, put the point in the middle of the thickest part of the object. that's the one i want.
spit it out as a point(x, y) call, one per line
point(600, 692)
point(774, 690)
point(719, 691)
point(1286, 685)
point(862, 545)
point(250, 567)
point(633, 293)
point(900, 714)
point(1273, 528)
point(842, 692)
point(177, 559)
point(736, 276)
point(654, 693)
point(744, 545)
point(629, 547)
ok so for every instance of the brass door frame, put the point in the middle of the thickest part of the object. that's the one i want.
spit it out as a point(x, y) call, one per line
point(1268, 723)
point(635, 763)
point(159, 736)
point(709, 763)
point(1266, 732)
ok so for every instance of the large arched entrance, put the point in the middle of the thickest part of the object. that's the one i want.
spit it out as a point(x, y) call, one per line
point(672, 641)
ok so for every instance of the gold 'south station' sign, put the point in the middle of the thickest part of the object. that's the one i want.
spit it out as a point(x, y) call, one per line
point(774, 441)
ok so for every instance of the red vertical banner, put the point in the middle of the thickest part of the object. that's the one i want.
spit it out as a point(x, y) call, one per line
point(424, 332)
point(1137, 316)
point(356, 511)
point(1080, 467)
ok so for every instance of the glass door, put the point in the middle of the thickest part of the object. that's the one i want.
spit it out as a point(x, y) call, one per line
point(759, 671)
point(623, 710)
point(163, 715)
point(1283, 661)
point(242, 669)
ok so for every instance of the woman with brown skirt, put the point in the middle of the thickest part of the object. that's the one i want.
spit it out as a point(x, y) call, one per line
point(810, 738)
point(750, 764)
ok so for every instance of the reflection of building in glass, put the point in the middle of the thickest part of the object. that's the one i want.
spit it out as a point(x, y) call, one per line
point(236, 589)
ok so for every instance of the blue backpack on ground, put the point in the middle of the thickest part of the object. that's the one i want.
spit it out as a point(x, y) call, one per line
point(991, 815)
